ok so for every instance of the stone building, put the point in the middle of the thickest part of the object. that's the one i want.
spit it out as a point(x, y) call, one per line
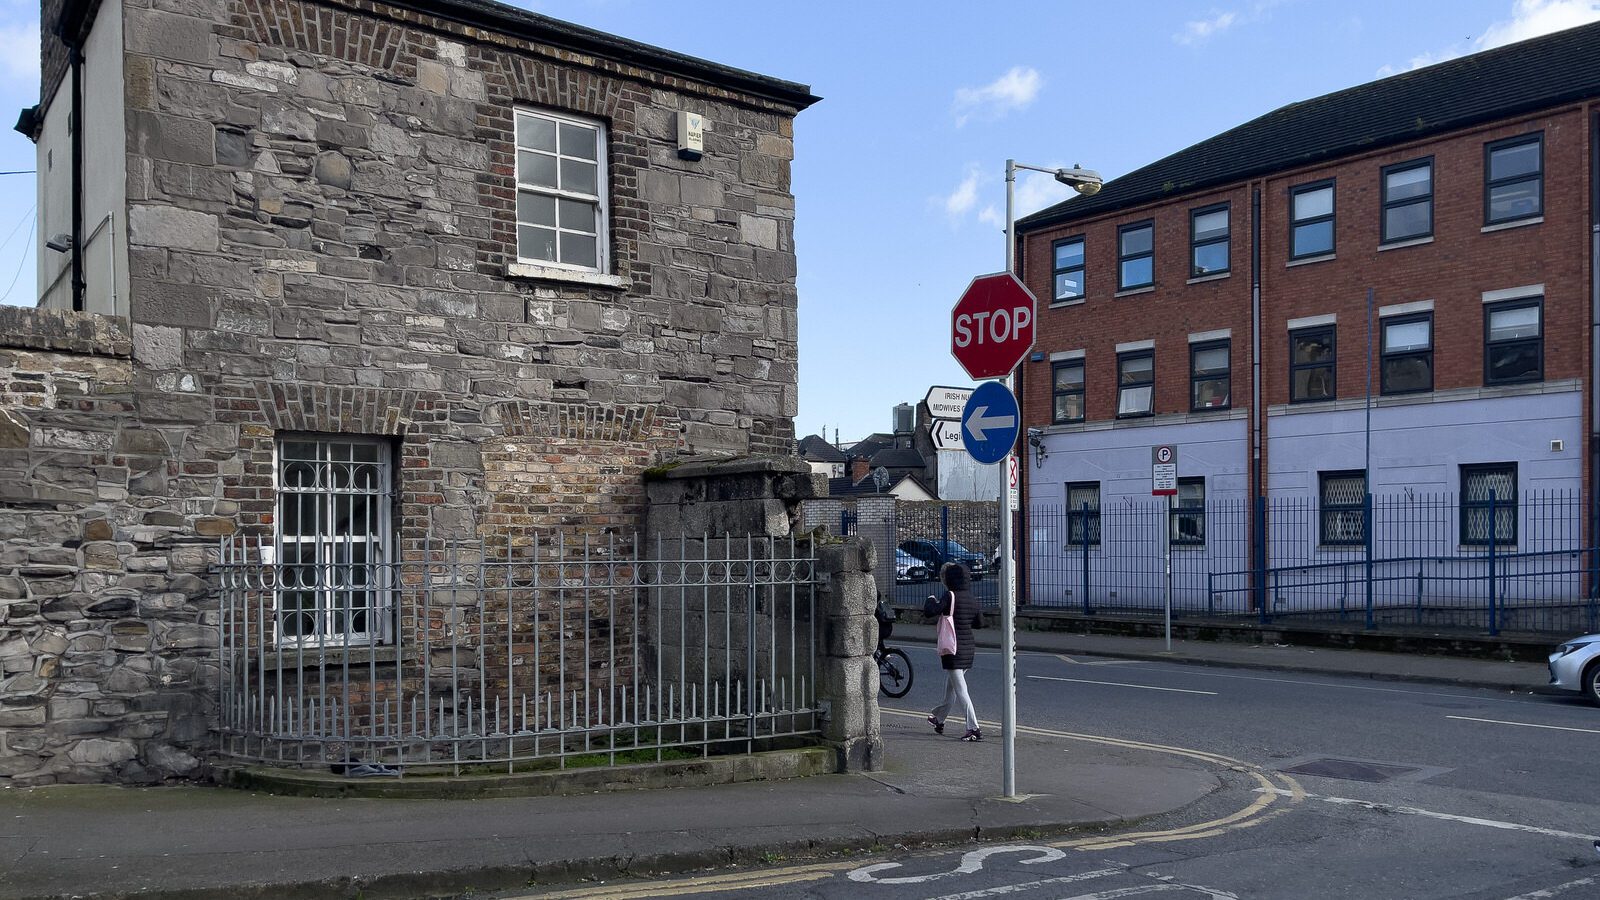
point(342, 277)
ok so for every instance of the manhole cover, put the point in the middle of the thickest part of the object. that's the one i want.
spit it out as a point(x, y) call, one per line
point(1351, 770)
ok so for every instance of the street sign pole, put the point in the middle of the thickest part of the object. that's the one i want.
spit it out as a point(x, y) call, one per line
point(1164, 483)
point(1007, 599)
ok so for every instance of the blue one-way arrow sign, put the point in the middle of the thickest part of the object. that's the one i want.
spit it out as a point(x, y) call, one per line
point(989, 423)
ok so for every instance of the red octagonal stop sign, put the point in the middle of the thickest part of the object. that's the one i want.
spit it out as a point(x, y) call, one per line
point(991, 326)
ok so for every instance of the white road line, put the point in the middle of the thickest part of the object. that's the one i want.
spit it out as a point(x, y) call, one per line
point(1553, 891)
point(1524, 724)
point(1413, 811)
point(1146, 687)
point(1029, 885)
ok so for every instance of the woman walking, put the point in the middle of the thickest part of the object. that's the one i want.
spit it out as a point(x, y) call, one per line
point(959, 604)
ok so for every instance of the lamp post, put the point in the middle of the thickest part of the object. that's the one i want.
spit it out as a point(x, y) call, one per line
point(1086, 182)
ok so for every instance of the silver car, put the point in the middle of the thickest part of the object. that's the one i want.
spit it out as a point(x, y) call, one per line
point(1575, 666)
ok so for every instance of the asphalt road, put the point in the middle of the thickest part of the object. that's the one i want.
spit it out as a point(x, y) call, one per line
point(1392, 791)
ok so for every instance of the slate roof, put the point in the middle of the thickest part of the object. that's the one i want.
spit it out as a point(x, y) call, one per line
point(1494, 84)
point(816, 448)
point(844, 487)
point(902, 458)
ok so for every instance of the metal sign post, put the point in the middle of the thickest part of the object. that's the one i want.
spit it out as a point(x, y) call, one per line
point(1164, 483)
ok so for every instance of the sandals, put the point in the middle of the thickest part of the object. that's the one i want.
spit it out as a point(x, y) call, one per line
point(973, 736)
point(938, 726)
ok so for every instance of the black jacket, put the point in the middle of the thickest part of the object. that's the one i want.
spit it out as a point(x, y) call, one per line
point(967, 617)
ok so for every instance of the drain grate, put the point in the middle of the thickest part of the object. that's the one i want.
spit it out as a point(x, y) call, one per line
point(1351, 770)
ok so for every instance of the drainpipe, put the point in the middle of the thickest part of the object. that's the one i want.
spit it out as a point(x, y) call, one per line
point(1594, 357)
point(75, 61)
point(1258, 548)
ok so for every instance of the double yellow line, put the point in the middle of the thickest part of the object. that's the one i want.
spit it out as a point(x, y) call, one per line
point(1277, 787)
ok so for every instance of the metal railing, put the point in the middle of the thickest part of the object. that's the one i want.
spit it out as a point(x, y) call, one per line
point(518, 651)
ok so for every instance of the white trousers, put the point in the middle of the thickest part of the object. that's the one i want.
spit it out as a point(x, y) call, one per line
point(955, 688)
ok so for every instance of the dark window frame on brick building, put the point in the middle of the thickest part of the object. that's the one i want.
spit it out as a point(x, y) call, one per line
point(1405, 201)
point(1299, 224)
point(1208, 241)
point(1408, 361)
point(1187, 513)
point(561, 194)
point(1061, 272)
point(1515, 181)
point(1477, 480)
point(1341, 508)
point(1517, 354)
point(1125, 385)
point(1212, 380)
point(1058, 394)
point(1082, 521)
point(1309, 336)
point(1146, 255)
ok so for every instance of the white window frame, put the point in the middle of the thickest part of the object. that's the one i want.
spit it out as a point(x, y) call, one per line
point(602, 187)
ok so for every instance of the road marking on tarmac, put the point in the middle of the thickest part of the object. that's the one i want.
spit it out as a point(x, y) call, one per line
point(1147, 687)
point(1553, 891)
point(1524, 724)
point(1447, 817)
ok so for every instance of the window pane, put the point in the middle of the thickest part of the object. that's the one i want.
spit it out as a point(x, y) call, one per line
point(1310, 204)
point(1514, 201)
point(536, 133)
point(1406, 336)
point(1211, 258)
point(1136, 368)
point(1137, 272)
point(1212, 359)
point(1136, 240)
point(1314, 384)
point(1069, 254)
point(1514, 362)
point(1343, 490)
point(1509, 162)
point(1403, 185)
point(1191, 492)
point(1211, 393)
point(1314, 347)
point(536, 243)
point(577, 140)
point(536, 168)
point(1519, 322)
point(579, 177)
point(1134, 400)
point(578, 249)
point(1211, 225)
point(1079, 496)
point(1411, 220)
point(1069, 285)
point(1313, 239)
point(536, 209)
point(1412, 373)
point(1069, 378)
point(1069, 407)
point(578, 216)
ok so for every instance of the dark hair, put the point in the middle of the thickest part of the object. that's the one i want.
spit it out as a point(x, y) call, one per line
point(954, 576)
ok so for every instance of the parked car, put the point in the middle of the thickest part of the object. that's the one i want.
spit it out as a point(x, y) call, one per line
point(1575, 666)
point(935, 553)
point(908, 567)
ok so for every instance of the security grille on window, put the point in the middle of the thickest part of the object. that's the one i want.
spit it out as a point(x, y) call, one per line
point(560, 183)
point(1408, 201)
point(1483, 486)
point(1188, 513)
point(1136, 383)
point(1083, 513)
point(1311, 364)
point(1069, 270)
point(1210, 376)
point(1208, 239)
point(1136, 256)
point(1067, 391)
point(334, 541)
point(1311, 211)
point(1513, 179)
point(1407, 354)
point(1513, 342)
point(1342, 498)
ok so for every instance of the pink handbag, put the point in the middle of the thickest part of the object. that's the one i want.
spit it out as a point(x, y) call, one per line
point(947, 629)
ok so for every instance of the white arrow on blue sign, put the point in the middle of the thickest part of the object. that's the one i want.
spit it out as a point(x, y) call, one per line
point(989, 423)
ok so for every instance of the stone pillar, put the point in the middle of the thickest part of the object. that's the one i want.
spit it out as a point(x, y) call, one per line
point(876, 521)
point(847, 675)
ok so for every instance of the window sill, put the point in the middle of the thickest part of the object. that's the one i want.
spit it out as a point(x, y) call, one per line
point(317, 657)
point(1309, 260)
point(1504, 226)
point(1132, 291)
point(1205, 410)
point(537, 272)
point(1412, 242)
point(1216, 276)
point(1059, 304)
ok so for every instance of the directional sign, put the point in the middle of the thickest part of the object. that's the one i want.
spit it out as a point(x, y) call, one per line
point(989, 423)
point(946, 434)
point(946, 402)
point(991, 326)
point(1163, 470)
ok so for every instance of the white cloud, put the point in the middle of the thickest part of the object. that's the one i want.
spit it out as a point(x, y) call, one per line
point(1199, 31)
point(1012, 91)
point(19, 51)
point(960, 201)
point(1529, 18)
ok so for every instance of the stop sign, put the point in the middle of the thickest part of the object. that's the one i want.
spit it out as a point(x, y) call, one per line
point(991, 326)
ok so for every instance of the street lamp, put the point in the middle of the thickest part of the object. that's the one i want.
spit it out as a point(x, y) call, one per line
point(1086, 182)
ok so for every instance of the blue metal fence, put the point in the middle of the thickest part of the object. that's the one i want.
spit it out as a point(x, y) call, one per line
point(1520, 564)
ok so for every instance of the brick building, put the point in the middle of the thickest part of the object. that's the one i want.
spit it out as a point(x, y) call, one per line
point(343, 276)
point(1216, 299)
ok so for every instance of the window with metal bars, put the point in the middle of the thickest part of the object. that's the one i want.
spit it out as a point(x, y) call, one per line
point(1083, 513)
point(1480, 483)
point(335, 541)
point(561, 183)
point(1341, 500)
point(1188, 513)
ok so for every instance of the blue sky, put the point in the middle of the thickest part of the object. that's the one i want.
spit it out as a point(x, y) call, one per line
point(899, 170)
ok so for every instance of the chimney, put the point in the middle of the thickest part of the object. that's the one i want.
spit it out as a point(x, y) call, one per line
point(859, 468)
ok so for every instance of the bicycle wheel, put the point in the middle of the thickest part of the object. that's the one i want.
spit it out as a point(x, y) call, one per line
point(894, 673)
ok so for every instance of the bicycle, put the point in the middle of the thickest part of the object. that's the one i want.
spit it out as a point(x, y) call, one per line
point(894, 666)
